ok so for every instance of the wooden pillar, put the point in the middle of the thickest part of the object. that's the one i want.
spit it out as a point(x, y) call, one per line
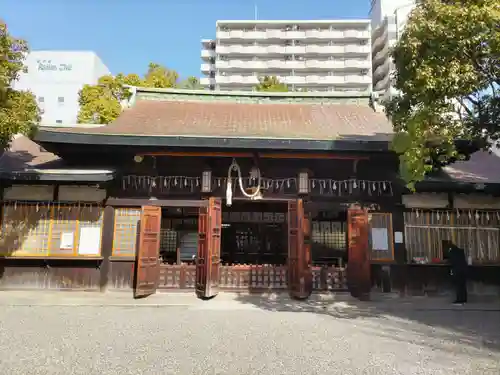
point(358, 265)
point(106, 246)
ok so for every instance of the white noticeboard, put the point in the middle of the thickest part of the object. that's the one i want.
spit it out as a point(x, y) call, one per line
point(67, 241)
point(398, 237)
point(90, 241)
point(380, 239)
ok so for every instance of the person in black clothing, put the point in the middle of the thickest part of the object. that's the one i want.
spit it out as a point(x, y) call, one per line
point(458, 263)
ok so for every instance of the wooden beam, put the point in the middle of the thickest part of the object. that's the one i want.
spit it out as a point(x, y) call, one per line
point(199, 154)
point(311, 156)
point(264, 200)
point(266, 155)
point(129, 202)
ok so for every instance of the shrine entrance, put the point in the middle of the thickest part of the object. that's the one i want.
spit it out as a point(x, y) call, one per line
point(254, 233)
point(152, 248)
point(271, 237)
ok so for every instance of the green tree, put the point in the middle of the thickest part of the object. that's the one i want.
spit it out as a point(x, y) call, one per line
point(102, 103)
point(19, 112)
point(271, 84)
point(158, 76)
point(191, 83)
point(448, 79)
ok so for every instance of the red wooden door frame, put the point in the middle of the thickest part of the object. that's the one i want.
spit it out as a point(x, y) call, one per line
point(358, 265)
point(147, 259)
point(208, 254)
point(299, 251)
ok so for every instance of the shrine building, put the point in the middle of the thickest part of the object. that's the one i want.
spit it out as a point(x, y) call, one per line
point(238, 191)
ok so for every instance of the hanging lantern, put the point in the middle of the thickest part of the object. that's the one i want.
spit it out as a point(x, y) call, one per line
point(303, 183)
point(206, 181)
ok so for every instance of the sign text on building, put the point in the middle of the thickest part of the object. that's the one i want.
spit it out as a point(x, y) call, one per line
point(48, 66)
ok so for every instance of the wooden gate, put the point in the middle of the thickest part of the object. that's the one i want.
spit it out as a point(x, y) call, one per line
point(299, 251)
point(358, 265)
point(147, 264)
point(208, 256)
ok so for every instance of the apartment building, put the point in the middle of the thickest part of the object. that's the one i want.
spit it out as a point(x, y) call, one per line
point(329, 55)
point(56, 78)
point(388, 19)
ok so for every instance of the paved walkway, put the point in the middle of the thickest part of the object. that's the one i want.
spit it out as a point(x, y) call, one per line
point(271, 301)
point(241, 334)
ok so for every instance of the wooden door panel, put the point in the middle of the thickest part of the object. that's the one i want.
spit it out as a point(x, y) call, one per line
point(299, 251)
point(215, 209)
point(148, 265)
point(208, 257)
point(201, 255)
point(358, 265)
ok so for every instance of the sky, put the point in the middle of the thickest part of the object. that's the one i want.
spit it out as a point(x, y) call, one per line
point(128, 34)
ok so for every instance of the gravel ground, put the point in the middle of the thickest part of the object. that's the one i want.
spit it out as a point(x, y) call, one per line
point(235, 340)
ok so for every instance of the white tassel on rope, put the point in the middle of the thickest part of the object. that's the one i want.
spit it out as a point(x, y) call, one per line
point(229, 191)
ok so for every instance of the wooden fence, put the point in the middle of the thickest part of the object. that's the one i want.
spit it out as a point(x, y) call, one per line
point(477, 232)
point(251, 277)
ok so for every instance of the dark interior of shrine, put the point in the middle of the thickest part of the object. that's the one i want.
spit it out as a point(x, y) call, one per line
point(253, 232)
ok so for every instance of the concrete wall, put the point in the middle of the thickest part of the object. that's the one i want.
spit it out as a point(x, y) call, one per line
point(56, 77)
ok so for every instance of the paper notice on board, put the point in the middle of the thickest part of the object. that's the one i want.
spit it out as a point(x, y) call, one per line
point(67, 241)
point(380, 239)
point(398, 237)
point(90, 241)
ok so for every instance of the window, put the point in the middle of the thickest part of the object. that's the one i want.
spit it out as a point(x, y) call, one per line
point(125, 231)
point(41, 99)
point(60, 100)
point(46, 230)
point(58, 121)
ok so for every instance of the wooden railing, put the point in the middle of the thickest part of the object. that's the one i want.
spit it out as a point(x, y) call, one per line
point(251, 277)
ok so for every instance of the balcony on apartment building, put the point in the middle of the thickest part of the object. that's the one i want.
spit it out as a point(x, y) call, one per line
point(290, 64)
point(207, 54)
point(274, 49)
point(286, 33)
point(207, 68)
point(309, 79)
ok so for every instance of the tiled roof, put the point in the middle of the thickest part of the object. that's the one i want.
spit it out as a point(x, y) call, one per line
point(482, 167)
point(253, 120)
point(24, 154)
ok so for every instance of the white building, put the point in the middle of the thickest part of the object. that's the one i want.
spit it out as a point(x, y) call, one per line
point(388, 19)
point(56, 77)
point(314, 55)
